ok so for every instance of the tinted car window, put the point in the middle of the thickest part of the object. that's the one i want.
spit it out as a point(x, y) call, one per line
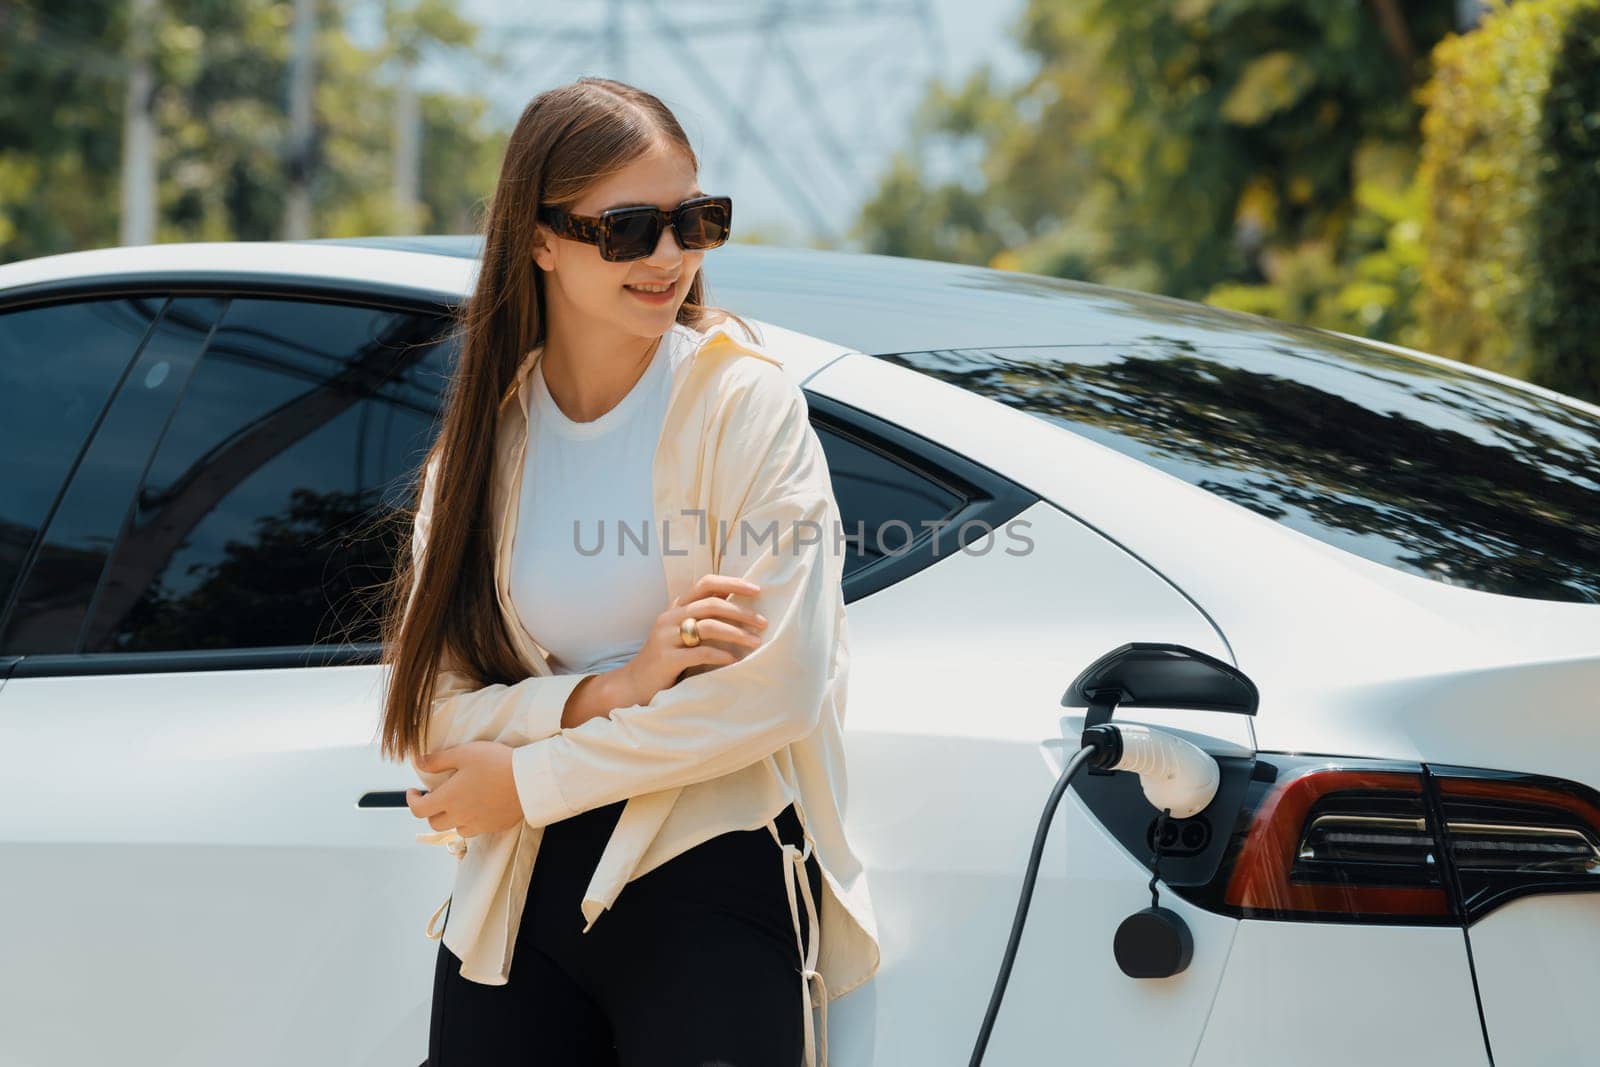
point(58, 366)
point(879, 493)
point(1415, 465)
point(260, 521)
point(49, 609)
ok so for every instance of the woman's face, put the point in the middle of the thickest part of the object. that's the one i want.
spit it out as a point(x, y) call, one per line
point(585, 291)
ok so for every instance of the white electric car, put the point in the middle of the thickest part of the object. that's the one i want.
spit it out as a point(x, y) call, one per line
point(204, 861)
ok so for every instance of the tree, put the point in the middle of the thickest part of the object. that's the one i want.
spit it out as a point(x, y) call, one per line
point(1245, 150)
point(220, 107)
point(61, 100)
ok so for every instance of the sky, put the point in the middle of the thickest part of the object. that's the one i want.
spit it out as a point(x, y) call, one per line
point(794, 106)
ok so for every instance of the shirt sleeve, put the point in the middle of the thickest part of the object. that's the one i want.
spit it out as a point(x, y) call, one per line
point(461, 709)
point(770, 477)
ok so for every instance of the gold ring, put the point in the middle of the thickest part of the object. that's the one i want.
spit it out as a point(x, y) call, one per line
point(688, 631)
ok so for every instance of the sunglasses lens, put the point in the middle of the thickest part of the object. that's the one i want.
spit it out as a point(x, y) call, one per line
point(633, 236)
point(704, 225)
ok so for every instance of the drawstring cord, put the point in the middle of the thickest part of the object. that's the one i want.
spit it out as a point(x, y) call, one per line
point(794, 859)
point(458, 848)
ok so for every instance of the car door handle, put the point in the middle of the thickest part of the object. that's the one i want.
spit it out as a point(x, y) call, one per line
point(385, 798)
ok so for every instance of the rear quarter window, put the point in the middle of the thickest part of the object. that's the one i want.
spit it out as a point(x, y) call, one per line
point(1418, 466)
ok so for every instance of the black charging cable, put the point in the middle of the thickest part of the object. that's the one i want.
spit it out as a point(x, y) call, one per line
point(1101, 746)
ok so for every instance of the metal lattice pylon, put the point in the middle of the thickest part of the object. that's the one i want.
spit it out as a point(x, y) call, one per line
point(799, 89)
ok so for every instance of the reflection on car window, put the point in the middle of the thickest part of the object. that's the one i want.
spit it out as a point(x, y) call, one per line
point(874, 491)
point(1415, 465)
point(50, 608)
point(256, 525)
point(58, 364)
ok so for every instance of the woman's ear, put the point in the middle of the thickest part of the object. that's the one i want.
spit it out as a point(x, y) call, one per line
point(544, 253)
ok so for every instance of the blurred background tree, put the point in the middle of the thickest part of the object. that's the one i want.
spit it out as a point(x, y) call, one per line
point(221, 70)
point(1362, 167)
point(1255, 152)
point(61, 102)
point(1511, 208)
point(1479, 166)
point(1564, 248)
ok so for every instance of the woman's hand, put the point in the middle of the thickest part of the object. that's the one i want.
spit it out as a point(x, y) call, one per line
point(479, 798)
point(663, 657)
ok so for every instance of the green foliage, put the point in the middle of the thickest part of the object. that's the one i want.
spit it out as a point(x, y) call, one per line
point(944, 222)
point(60, 79)
point(1267, 86)
point(1026, 190)
point(1368, 289)
point(221, 70)
point(1278, 157)
point(1564, 236)
point(1478, 166)
point(1254, 152)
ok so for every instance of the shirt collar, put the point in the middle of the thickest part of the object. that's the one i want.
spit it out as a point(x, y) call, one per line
point(705, 340)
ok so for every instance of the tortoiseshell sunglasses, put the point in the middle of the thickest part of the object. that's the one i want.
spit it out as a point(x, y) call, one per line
point(624, 233)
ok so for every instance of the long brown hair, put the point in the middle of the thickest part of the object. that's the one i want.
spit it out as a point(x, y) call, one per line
point(566, 139)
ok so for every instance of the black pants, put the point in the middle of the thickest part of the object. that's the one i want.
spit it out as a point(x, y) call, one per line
point(694, 965)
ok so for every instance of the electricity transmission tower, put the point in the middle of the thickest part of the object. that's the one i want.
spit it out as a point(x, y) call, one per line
point(809, 92)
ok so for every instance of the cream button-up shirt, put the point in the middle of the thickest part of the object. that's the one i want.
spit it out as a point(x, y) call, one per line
point(741, 487)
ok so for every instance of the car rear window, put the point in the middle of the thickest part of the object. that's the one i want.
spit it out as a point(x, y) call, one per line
point(1416, 465)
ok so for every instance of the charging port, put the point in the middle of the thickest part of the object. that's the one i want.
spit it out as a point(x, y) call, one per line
point(1180, 837)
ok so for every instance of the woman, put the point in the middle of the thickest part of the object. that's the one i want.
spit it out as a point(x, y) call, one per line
point(635, 756)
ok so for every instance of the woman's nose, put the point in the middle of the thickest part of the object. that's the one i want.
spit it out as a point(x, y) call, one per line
point(667, 248)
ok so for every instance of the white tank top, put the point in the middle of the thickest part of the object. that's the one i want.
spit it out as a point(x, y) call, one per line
point(589, 595)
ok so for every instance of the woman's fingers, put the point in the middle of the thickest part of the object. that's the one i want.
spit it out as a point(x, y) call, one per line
point(709, 654)
point(662, 660)
point(422, 804)
point(726, 608)
point(427, 806)
point(717, 630)
point(719, 585)
point(716, 607)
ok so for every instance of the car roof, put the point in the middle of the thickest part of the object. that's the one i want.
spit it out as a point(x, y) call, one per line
point(822, 302)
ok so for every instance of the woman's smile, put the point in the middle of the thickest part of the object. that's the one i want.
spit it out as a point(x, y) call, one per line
point(650, 296)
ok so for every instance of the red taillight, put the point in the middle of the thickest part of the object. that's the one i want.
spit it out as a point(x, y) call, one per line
point(1335, 841)
point(1513, 835)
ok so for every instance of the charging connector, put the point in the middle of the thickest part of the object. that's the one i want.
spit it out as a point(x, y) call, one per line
point(1177, 777)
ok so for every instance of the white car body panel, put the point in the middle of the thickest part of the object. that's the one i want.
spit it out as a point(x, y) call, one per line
point(267, 259)
point(198, 873)
point(1328, 995)
point(946, 872)
point(1538, 965)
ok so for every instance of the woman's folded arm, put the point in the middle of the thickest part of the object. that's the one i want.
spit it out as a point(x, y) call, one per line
point(464, 710)
point(785, 540)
